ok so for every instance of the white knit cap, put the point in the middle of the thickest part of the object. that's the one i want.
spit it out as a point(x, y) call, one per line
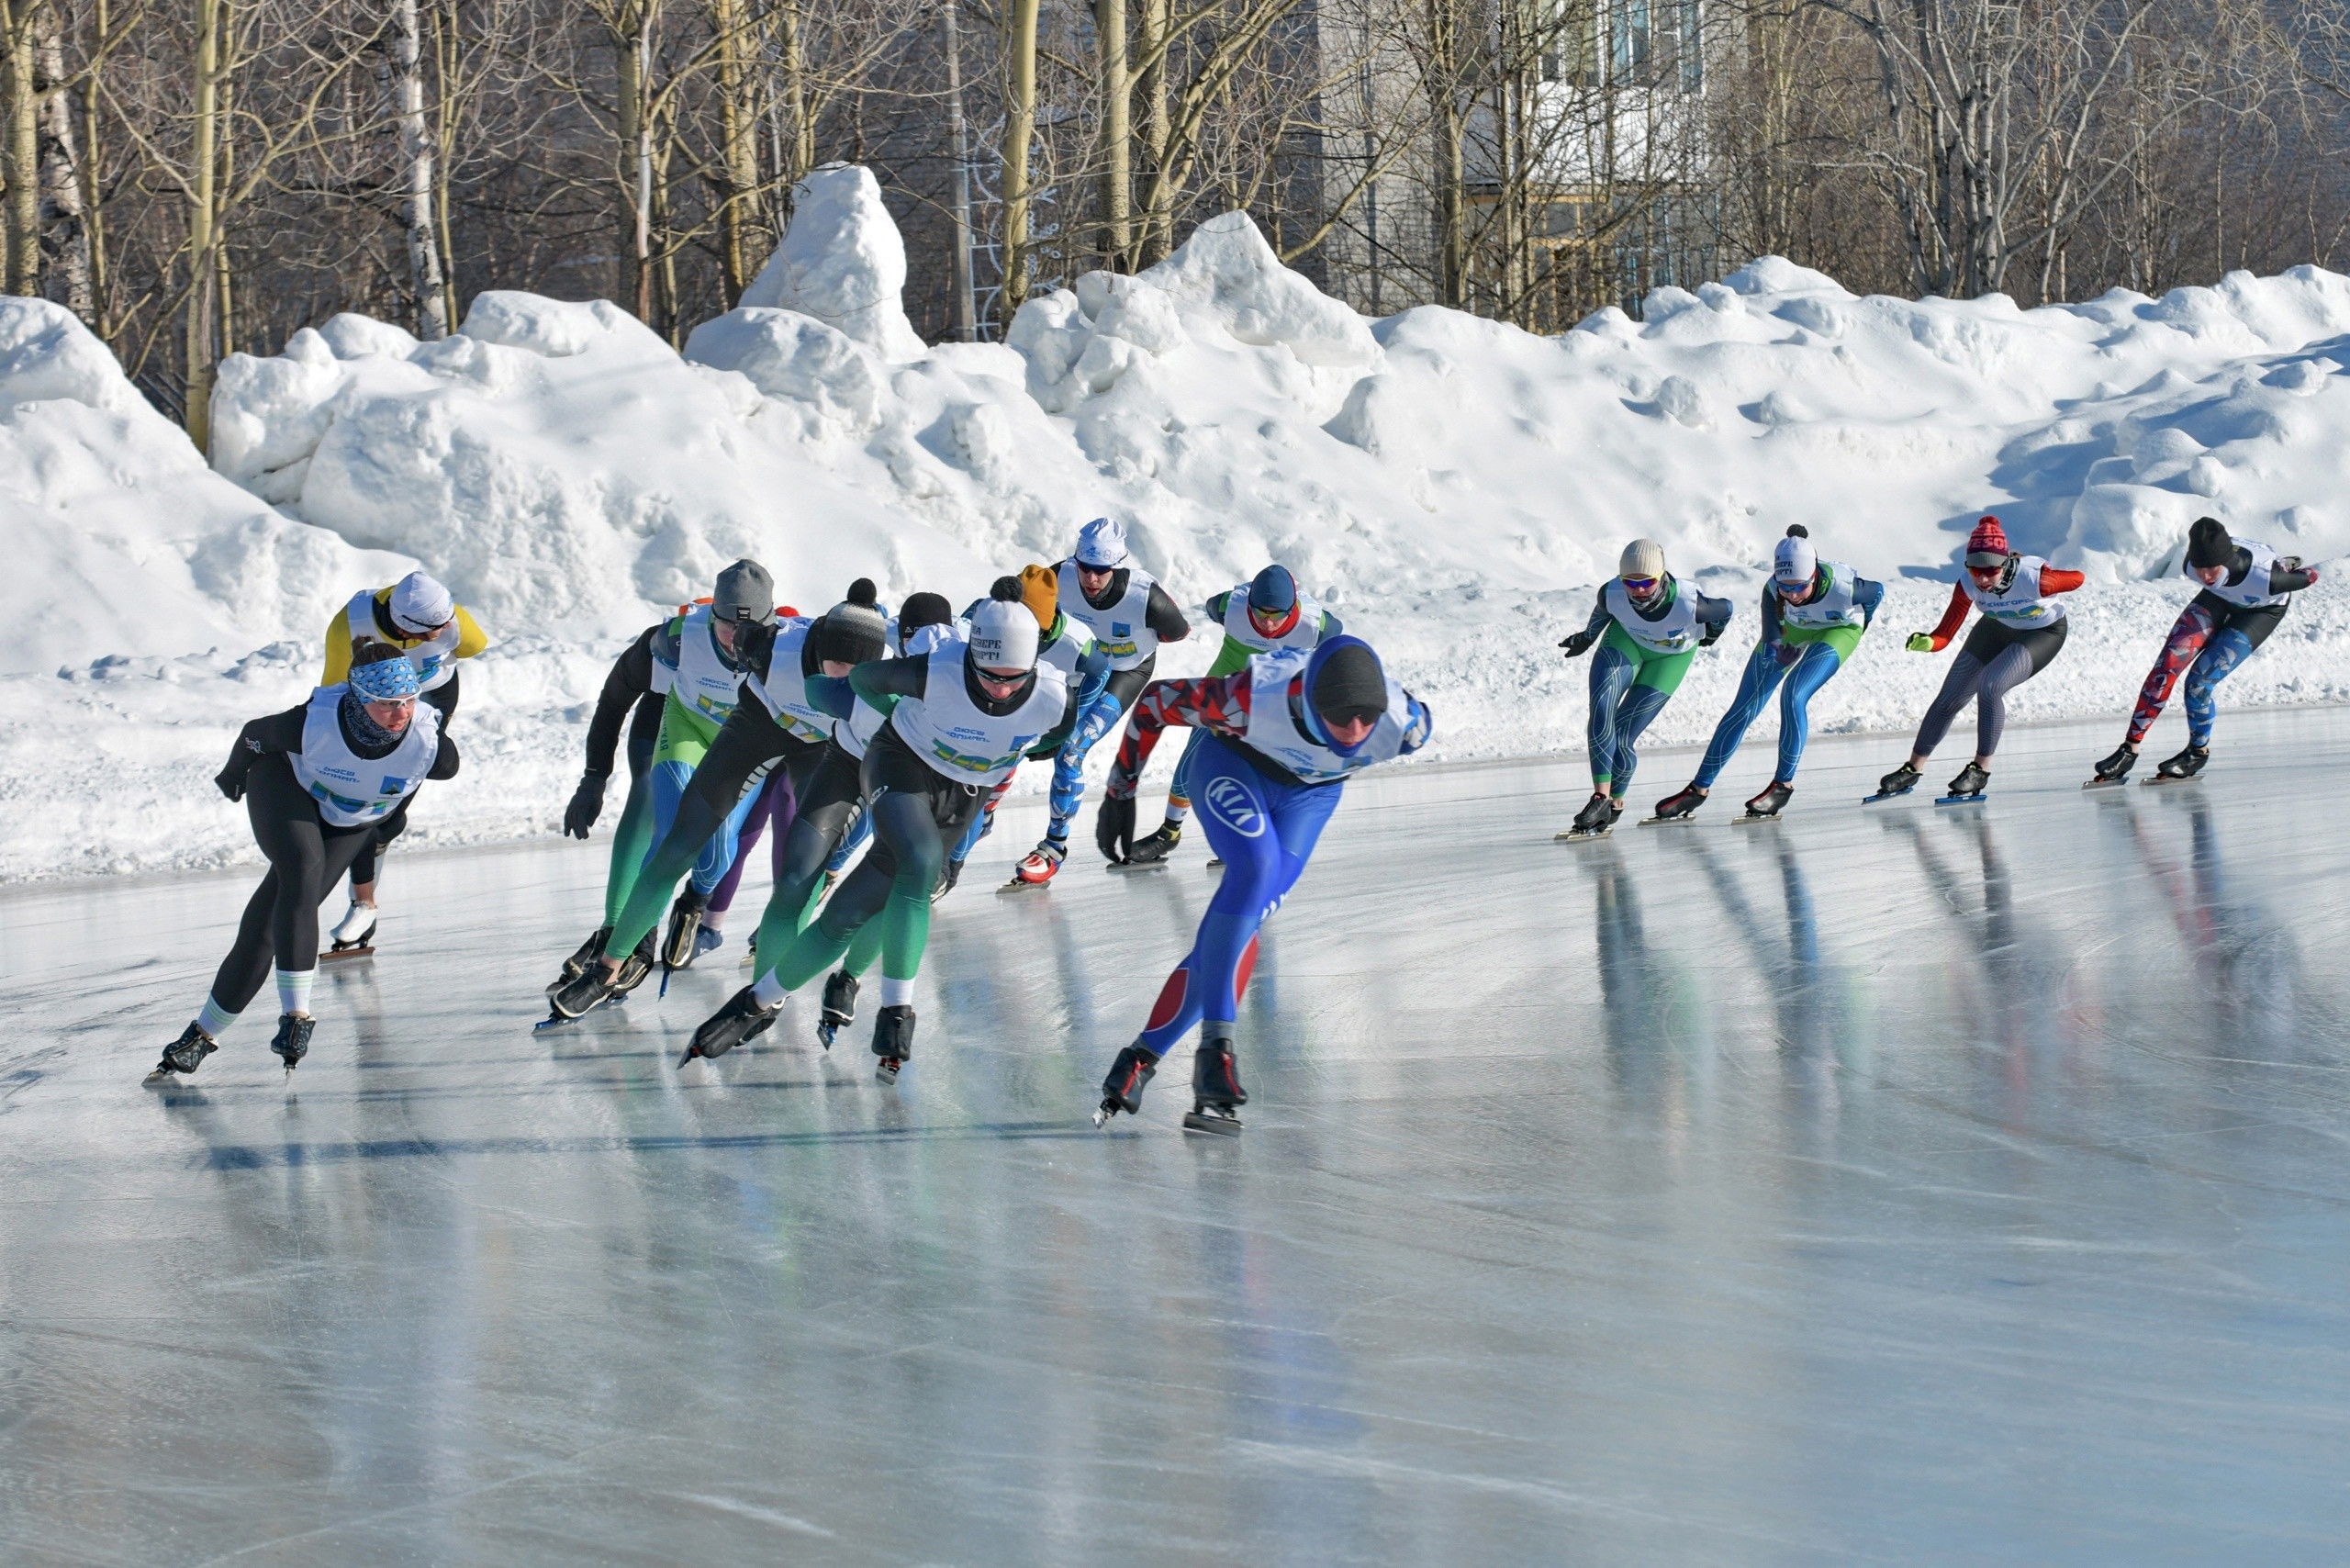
point(419, 603)
point(1794, 561)
point(1102, 544)
point(1642, 558)
point(1003, 635)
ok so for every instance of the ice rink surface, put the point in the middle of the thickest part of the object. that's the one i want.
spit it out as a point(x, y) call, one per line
point(1893, 1185)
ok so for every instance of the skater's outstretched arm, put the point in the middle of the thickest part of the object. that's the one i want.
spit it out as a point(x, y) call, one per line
point(277, 732)
point(2288, 576)
point(1868, 596)
point(883, 681)
point(1935, 640)
point(1578, 644)
point(1164, 616)
point(2056, 580)
point(1714, 615)
point(629, 679)
point(1218, 704)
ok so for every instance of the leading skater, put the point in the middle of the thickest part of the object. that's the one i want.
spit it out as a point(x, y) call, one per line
point(1283, 735)
point(2021, 631)
point(1648, 625)
point(420, 619)
point(1813, 614)
point(316, 781)
point(1129, 615)
point(2245, 584)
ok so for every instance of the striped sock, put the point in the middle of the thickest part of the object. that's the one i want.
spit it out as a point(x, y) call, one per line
point(293, 990)
point(214, 1018)
point(1178, 808)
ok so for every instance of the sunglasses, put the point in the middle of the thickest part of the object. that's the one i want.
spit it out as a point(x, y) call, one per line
point(1639, 587)
point(1983, 561)
point(995, 682)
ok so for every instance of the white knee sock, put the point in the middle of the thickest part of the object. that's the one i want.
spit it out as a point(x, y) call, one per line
point(897, 992)
point(214, 1018)
point(293, 990)
point(768, 990)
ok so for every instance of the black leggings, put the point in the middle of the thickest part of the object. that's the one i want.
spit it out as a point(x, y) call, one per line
point(362, 869)
point(1126, 685)
point(1995, 659)
point(306, 857)
point(834, 799)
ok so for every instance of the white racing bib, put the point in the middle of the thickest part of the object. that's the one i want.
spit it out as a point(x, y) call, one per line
point(1121, 628)
point(2022, 605)
point(352, 790)
point(700, 682)
point(1834, 606)
point(946, 729)
point(783, 693)
point(435, 659)
point(1306, 633)
point(1274, 731)
point(1676, 632)
point(2253, 592)
point(854, 734)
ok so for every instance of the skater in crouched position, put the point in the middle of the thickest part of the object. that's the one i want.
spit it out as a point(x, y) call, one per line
point(1129, 615)
point(775, 726)
point(2021, 631)
point(2245, 584)
point(1283, 735)
point(1813, 614)
point(316, 781)
point(960, 718)
point(420, 617)
point(1648, 625)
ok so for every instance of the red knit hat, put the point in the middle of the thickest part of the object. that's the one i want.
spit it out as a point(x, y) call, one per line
point(1988, 539)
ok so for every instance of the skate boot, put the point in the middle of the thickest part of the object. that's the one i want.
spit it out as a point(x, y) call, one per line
point(1615, 809)
point(741, 1019)
point(595, 985)
point(1597, 817)
point(1156, 846)
point(1967, 786)
point(894, 1041)
point(1122, 1091)
point(678, 950)
point(1217, 1094)
point(840, 1006)
point(184, 1054)
point(2180, 768)
point(708, 941)
point(1680, 807)
point(634, 967)
point(355, 929)
point(2114, 769)
point(1900, 781)
point(1770, 803)
point(1044, 863)
point(292, 1042)
point(576, 965)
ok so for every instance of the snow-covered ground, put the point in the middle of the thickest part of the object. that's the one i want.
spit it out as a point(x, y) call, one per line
point(1454, 487)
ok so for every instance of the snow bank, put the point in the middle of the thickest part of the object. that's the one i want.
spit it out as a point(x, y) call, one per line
point(1453, 486)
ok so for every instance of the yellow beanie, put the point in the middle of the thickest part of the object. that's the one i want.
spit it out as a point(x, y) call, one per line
point(1040, 591)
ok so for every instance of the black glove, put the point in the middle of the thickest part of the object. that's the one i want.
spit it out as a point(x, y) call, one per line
point(586, 804)
point(1113, 827)
point(1579, 644)
point(1713, 634)
point(232, 780)
point(753, 641)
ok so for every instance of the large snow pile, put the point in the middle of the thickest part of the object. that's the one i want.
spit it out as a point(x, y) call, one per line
point(1454, 487)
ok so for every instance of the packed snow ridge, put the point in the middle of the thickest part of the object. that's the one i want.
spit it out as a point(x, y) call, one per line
point(1454, 487)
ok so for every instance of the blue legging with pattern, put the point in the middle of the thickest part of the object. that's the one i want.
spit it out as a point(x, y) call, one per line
point(1814, 663)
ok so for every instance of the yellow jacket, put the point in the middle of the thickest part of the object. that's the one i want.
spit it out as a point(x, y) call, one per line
point(340, 637)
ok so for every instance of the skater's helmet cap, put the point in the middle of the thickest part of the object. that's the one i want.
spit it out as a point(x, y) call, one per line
point(1346, 681)
point(745, 592)
point(1641, 558)
point(1101, 544)
point(387, 680)
point(1003, 636)
point(1988, 545)
point(922, 609)
point(1272, 592)
point(853, 631)
point(1794, 561)
point(2208, 543)
point(420, 605)
point(1040, 591)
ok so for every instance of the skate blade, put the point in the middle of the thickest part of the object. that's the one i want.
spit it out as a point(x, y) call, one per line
point(1973, 799)
point(2158, 778)
point(888, 1071)
point(1018, 886)
point(1886, 795)
point(2108, 783)
point(1138, 866)
point(1753, 819)
point(1208, 1122)
point(825, 1033)
point(337, 955)
point(1663, 822)
point(1101, 1115)
point(1575, 837)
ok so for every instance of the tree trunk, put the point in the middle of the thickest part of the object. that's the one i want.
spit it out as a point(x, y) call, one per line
point(94, 230)
point(636, 168)
point(1117, 152)
point(417, 175)
point(1019, 130)
point(65, 238)
point(20, 156)
point(738, 152)
point(201, 342)
point(1158, 223)
point(966, 311)
point(795, 94)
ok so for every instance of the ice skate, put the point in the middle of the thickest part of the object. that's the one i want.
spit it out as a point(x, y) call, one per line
point(677, 948)
point(353, 936)
point(1597, 817)
point(1900, 781)
point(2114, 769)
point(575, 965)
point(1155, 847)
point(1767, 806)
point(1678, 808)
point(1043, 864)
point(184, 1055)
point(741, 1019)
point(1967, 788)
point(2183, 767)
point(948, 875)
point(839, 1009)
point(596, 985)
point(708, 941)
point(1122, 1091)
point(1217, 1094)
point(292, 1042)
point(894, 1041)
